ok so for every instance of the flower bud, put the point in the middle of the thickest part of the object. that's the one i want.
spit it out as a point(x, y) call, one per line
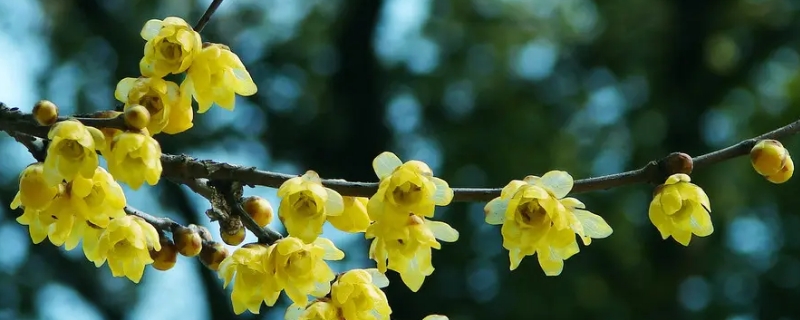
point(768, 157)
point(45, 112)
point(137, 117)
point(784, 174)
point(233, 237)
point(212, 255)
point(166, 258)
point(188, 241)
point(259, 209)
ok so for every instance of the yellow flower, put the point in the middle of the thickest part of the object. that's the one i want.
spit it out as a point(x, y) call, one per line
point(768, 157)
point(300, 269)
point(97, 200)
point(34, 192)
point(55, 222)
point(216, 76)
point(407, 247)
point(168, 111)
point(171, 47)
point(681, 208)
point(354, 218)
point(537, 218)
point(126, 244)
point(321, 309)
point(135, 158)
point(358, 294)
point(406, 188)
point(251, 282)
point(71, 152)
point(305, 205)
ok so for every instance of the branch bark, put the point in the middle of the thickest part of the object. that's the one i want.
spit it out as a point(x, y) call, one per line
point(183, 167)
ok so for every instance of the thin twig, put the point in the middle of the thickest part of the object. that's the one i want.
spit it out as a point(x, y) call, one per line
point(201, 23)
point(162, 224)
point(183, 167)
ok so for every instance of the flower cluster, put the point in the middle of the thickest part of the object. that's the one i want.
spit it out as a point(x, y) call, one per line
point(69, 199)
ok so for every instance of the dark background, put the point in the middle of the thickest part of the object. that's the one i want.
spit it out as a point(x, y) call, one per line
point(485, 92)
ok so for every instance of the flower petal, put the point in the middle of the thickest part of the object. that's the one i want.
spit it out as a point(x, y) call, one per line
point(385, 163)
point(558, 182)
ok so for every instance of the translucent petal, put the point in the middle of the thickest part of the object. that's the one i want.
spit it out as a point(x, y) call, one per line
point(593, 225)
point(294, 311)
point(444, 194)
point(124, 86)
point(385, 163)
point(511, 188)
point(435, 317)
point(573, 203)
point(150, 29)
point(379, 279)
point(442, 231)
point(331, 251)
point(495, 211)
point(558, 182)
point(334, 206)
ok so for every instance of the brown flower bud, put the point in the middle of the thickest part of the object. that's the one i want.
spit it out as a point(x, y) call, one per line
point(45, 112)
point(166, 258)
point(188, 241)
point(212, 255)
point(233, 237)
point(259, 209)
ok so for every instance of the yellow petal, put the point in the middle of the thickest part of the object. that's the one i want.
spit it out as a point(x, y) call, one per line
point(442, 231)
point(334, 206)
point(558, 182)
point(495, 211)
point(151, 29)
point(385, 163)
point(593, 225)
point(331, 251)
point(444, 194)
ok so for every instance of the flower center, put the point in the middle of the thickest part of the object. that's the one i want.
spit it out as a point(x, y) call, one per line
point(123, 248)
point(407, 193)
point(530, 213)
point(95, 197)
point(153, 103)
point(71, 149)
point(299, 264)
point(304, 204)
point(170, 51)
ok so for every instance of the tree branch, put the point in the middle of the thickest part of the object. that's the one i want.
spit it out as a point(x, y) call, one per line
point(201, 23)
point(186, 168)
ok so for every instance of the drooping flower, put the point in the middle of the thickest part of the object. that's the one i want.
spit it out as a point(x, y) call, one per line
point(406, 188)
point(135, 158)
point(98, 199)
point(300, 269)
point(406, 248)
point(680, 209)
point(72, 151)
point(306, 204)
point(171, 47)
point(126, 245)
point(217, 76)
point(536, 218)
point(251, 282)
point(358, 294)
